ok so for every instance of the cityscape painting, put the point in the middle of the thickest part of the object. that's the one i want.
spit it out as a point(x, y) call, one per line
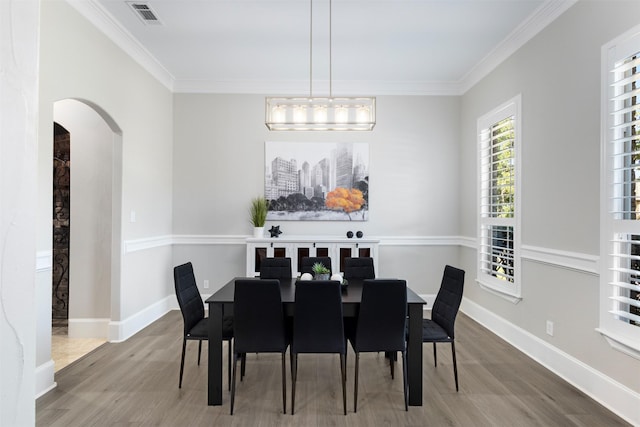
point(317, 181)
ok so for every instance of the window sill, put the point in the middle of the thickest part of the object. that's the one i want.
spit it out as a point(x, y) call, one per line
point(619, 343)
point(511, 298)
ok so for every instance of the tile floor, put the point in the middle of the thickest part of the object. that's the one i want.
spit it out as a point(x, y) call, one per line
point(65, 350)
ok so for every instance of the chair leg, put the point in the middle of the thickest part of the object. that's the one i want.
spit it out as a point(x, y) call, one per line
point(435, 356)
point(392, 363)
point(284, 383)
point(355, 384)
point(229, 363)
point(199, 350)
point(233, 384)
point(184, 348)
point(343, 368)
point(455, 365)
point(243, 364)
point(404, 380)
point(294, 376)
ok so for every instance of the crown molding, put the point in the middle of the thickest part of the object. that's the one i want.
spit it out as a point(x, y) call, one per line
point(104, 21)
point(537, 21)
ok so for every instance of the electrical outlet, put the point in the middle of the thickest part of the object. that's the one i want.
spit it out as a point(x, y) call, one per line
point(549, 327)
point(206, 284)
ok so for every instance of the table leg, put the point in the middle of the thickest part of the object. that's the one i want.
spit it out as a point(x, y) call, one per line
point(215, 355)
point(414, 355)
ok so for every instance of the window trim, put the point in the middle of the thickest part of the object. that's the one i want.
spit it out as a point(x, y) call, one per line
point(621, 336)
point(513, 292)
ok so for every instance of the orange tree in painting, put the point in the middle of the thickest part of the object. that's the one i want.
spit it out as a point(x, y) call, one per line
point(347, 200)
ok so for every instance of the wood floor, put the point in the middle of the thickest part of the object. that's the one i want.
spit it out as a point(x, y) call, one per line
point(135, 383)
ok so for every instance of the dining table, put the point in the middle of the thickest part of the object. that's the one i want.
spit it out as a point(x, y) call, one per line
point(221, 303)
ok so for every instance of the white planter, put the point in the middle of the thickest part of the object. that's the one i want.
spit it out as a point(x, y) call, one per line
point(258, 232)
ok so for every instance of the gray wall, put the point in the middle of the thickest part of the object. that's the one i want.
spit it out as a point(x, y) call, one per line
point(191, 163)
point(219, 166)
point(558, 75)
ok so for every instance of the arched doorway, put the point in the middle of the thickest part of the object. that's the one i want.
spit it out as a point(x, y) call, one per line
point(94, 211)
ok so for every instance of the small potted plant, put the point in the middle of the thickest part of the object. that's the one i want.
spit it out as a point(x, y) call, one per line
point(320, 272)
point(258, 215)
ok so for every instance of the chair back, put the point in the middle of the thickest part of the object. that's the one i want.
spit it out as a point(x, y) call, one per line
point(447, 303)
point(307, 263)
point(188, 295)
point(317, 320)
point(359, 268)
point(258, 317)
point(381, 323)
point(275, 268)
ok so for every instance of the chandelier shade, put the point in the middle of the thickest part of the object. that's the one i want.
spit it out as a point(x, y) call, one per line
point(313, 113)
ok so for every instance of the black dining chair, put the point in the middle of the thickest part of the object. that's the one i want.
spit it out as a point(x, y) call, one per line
point(359, 268)
point(440, 328)
point(307, 264)
point(318, 327)
point(259, 325)
point(192, 309)
point(275, 268)
point(381, 325)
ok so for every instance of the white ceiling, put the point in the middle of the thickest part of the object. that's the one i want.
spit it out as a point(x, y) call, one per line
point(378, 46)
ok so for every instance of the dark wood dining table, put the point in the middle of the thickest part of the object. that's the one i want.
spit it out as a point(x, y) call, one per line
point(221, 302)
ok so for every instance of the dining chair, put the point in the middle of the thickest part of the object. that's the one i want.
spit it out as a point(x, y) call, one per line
point(318, 327)
point(307, 264)
point(359, 268)
point(381, 325)
point(192, 309)
point(440, 328)
point(275, 268)
point(259, 325)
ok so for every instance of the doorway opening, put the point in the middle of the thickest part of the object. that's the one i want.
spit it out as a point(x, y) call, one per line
point(86, 229)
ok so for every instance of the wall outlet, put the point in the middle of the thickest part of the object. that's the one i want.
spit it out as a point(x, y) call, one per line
point(132, 216)
point(206, 284)
point(549, 327)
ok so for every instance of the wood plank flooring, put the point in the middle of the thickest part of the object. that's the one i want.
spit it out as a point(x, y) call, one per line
point(135, 383)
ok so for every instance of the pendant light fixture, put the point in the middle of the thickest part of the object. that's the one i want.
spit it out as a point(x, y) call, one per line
point(320, 113)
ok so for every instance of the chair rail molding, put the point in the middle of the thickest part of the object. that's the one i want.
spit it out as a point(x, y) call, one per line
point(571, 260)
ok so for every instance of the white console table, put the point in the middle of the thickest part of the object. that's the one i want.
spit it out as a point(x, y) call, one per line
point(296, 248)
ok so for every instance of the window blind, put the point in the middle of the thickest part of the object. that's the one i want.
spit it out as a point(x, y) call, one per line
point(497, 200)
point(624, 191)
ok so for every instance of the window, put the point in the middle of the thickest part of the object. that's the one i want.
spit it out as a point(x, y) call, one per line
point(498, 196)
point(620, 240)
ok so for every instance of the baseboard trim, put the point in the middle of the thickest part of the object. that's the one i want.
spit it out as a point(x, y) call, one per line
point(44, 378)
point(611, 394)
point(121, 330)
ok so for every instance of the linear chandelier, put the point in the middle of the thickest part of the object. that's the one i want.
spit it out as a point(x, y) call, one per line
point(320, 113)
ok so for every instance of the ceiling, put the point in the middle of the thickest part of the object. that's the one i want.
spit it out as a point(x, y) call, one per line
point(377, 46)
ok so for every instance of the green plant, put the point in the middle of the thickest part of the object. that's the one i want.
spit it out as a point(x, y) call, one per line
point(319, 268)
point(258, 211)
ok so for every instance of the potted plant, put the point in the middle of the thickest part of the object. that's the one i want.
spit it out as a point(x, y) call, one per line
point(320, 271)
point(258, 215)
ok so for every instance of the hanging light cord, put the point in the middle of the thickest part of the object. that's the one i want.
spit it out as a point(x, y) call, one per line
point(311, 50)
point(330, 64)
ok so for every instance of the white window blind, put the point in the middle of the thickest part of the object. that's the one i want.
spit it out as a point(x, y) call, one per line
point(498, 194)
point(623, 176)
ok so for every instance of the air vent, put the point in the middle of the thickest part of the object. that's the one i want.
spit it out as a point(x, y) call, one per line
point(144, 12)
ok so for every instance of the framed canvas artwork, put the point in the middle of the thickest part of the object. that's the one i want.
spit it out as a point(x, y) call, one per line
point(317, 181)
